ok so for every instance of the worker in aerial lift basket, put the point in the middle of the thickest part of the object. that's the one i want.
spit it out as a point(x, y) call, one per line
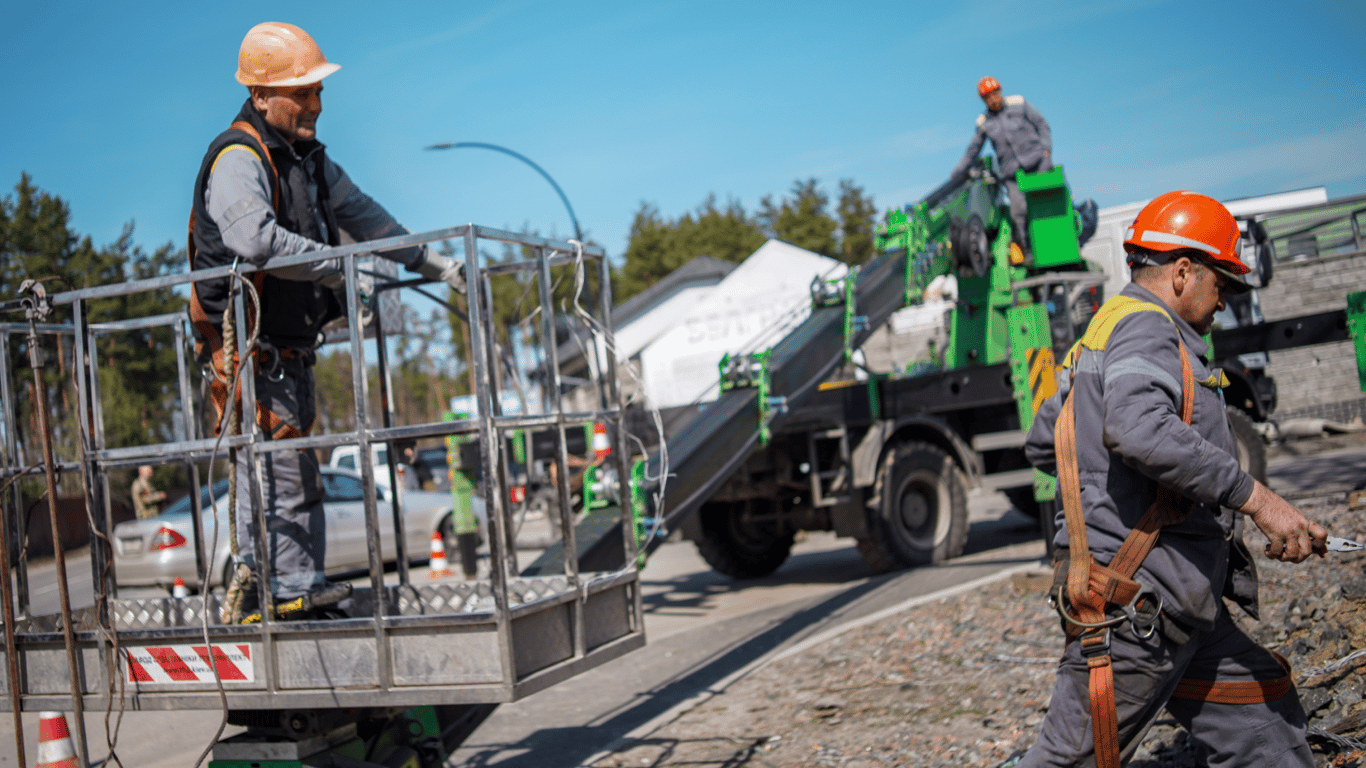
point(1149, 538)
point(266, 189)
point(1021, 139)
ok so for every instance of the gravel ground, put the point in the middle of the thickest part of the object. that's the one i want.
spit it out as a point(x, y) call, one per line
point(966, 680)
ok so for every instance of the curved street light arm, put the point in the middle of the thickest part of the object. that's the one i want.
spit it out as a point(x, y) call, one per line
point(578, 233)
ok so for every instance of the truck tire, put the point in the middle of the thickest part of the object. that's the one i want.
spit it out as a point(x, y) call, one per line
point(743, 539)
point(922, 518)
point(1251, 449)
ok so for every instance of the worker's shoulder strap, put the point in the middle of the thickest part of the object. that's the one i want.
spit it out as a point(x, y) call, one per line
point(212, 338)
point(262, 154)
point(981, 120)
point(1015, 100)
point(1164, 511)
point(1102, 325)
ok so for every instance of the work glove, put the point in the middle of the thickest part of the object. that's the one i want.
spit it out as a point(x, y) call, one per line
point(434, 266)
point(365, 293)
point(365, 287)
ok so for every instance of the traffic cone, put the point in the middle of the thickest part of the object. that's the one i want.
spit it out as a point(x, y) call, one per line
point(438, 568)
point(601, 448)
point(54, 742)
point(178, 589)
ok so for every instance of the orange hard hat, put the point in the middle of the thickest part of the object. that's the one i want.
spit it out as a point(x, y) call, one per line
point(279, 54)
point(987, 85)
point(1184, 220)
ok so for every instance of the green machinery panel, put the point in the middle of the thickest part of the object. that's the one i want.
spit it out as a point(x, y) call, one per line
point(1033, 375)
point(1356, 326)
point(1053, 222)
point(977, 328)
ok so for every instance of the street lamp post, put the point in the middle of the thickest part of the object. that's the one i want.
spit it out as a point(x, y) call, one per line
point(578, 233)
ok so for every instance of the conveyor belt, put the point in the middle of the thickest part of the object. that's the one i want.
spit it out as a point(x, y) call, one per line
point(705, 450)
point(711, 443)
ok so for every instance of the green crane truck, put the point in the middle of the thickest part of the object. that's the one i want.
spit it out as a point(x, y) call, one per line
point(887, 457)
point(803, 438)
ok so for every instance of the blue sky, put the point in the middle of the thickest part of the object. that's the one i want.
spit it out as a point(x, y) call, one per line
point(112, 104)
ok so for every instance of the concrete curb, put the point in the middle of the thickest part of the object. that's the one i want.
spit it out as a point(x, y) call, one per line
point(692, 702)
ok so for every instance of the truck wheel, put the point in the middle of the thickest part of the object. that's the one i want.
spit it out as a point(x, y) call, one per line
point(923, 515)
point(1248, 441)
point(745, 539)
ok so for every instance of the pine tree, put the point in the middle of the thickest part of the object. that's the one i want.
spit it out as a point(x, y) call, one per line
point(137, 373)
point(802, 220)
point(857, 214)
point(658, 245)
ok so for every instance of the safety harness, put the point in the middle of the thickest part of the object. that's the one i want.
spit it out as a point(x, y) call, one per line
point(210, 339)
point(1094, 599)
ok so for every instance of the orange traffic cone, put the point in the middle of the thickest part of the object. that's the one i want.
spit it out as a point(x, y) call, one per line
point(54, 742)
point(438, 568)
point(601, 447)
point(178, 589)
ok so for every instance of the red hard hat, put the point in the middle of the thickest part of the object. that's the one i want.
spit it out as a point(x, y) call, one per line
point(1183, 220)
point(987, 85)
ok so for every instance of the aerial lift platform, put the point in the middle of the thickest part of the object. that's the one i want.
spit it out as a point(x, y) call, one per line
point(418, 665)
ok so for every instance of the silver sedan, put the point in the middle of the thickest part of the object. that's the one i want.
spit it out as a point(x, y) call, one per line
point(153, 552)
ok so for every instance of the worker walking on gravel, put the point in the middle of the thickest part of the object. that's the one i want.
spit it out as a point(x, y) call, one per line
point(267, 189)
point(1022, 142)
point(1149, 540)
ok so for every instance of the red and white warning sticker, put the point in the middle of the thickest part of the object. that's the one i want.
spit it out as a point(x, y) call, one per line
point(189, 664)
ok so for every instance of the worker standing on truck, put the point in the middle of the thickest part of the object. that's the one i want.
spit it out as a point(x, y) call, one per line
point(1151, 488)
point(1022, 142)
point(266, 189)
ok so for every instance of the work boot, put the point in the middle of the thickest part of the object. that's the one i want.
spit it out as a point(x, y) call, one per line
point(321, 602)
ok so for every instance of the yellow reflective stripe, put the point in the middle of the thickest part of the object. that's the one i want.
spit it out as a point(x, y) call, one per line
point(228, 149)
point(1103, 324)
point(1216, 380)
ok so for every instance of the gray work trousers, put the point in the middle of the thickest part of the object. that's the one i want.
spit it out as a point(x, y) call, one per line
point(1018, 221)
point(291, 487)
point(1146, 672)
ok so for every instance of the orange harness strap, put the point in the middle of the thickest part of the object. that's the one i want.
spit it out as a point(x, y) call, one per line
point(1094, 591)
point(1252, 692)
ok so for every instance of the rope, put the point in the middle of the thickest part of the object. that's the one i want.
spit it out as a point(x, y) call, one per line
point(241, 578)
point(228, 420)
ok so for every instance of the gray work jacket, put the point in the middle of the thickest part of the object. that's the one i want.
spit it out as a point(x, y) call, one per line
point(1130, 437)
point(238, 198)
point(1018, 134)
